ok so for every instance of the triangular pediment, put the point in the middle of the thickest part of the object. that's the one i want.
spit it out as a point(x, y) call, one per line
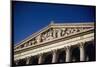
point(53, 31)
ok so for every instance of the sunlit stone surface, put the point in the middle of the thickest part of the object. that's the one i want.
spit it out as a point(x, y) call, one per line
point(57, 43)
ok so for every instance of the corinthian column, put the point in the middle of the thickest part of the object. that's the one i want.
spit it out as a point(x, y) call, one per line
point(54, 56)
point(40, 58)
point(67, 51)
point(82, 52)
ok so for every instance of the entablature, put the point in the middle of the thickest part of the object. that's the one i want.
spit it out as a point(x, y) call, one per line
point(74, 35)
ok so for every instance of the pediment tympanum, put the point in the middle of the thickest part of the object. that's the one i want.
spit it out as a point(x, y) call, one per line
point(53, 31)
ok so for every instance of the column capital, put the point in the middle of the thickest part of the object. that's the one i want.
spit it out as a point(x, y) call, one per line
point(54, 51)
point(40, 54)
point(28, 60)
point(28, 57)
point(67, 47)
point(81, 44)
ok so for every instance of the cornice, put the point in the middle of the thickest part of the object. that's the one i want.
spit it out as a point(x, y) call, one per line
point(53, 25)
point(51, 41)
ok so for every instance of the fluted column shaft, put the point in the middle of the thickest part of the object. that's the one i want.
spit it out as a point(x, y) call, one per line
point(40, 58)
point(82, 52)
point(54, 56)
point(67, 51)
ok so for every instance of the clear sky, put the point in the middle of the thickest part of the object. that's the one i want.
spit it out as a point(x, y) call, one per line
point(29, 17)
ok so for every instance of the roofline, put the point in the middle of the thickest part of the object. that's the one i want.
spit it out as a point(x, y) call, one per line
point(36, 33)
point(30, 36)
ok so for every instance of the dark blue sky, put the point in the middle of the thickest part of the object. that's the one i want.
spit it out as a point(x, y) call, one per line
point(31, 17)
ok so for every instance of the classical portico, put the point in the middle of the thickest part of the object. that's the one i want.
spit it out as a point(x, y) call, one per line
point(57, 43)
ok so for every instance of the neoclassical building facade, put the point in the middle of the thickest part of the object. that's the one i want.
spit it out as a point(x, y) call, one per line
point(57, 43)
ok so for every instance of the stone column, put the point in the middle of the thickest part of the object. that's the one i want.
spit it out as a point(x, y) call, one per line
point(82, 52)
point(40, 60)
point(28, 60)
point(67, 51)
point(54, 56)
